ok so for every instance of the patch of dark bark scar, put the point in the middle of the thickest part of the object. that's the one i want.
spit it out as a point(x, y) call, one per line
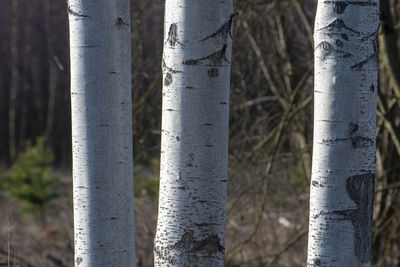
point(360, 189)
point(225, 30)
point(187, 245)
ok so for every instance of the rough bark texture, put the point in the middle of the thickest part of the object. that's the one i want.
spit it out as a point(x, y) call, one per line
point(102, 132)
point(342, 188)
point(194, 145)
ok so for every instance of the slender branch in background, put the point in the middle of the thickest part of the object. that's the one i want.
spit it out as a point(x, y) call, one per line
point(12, 116)
point(304, 19)
point(263, 65)
point(389, 50)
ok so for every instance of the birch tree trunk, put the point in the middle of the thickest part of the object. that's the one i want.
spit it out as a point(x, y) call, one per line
point(194, 144)
point(102, 132)
point(342, 189)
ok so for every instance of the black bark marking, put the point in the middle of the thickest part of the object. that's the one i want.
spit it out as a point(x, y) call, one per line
point(360, 189)
point(314, 262)
point(214, 72)
point(120, 22)
point(225, 30)
point(373, 57)
point(325, 50)
point(356, 141)
point(89, 46)
point(339, 43)
point(173, 35)
point(362, 141)
point(222, 103)
point(360, 65)
point(187, 245)
point(214, 59)
point(70, 11)
point(332, 141)
point(373, 35)
point(168, 79)
point(338, 26)
point(78, 260)
point(190, 163)
point(163, 254)
point(344, 36)
point(340, 6)
point(353, 128)
point(372, 88)
point(204, 224)
point(317, 184)
point(178, 138)
point(170, 70)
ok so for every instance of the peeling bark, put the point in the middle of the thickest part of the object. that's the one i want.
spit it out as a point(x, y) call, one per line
point(194, 144)
point(102, 133)
point(342, 186)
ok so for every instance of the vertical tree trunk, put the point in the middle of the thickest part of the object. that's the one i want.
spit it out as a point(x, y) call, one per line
point(102, 132)
point(342, 189)
point(194, 144)
point(12, 113)
point(52, 71)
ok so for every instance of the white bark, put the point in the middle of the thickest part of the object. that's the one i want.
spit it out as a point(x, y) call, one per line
point(102, 132)
point(346, 62)
point(194, 145)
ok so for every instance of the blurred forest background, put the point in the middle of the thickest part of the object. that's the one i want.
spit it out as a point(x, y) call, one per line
point(270, 133)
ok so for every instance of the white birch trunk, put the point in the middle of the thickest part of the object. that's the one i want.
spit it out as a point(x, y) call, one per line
point(342, 189)
point(102, 132)
point(194, 144)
